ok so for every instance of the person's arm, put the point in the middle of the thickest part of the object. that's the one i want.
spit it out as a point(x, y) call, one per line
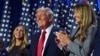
point(84, 48)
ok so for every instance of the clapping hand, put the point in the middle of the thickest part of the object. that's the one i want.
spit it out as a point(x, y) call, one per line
point(63, 39)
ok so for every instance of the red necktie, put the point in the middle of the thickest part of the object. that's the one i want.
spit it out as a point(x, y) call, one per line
point(41, 43)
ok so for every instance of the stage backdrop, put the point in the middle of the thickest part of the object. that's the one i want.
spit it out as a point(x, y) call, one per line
point(15, 12)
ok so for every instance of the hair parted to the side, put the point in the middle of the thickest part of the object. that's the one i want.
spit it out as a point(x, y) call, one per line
point(87, 16)
point(48, 10)
point(24, 40)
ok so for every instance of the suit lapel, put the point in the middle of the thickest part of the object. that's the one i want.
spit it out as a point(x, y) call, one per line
point(37, 37)
point(74, 32)
point(35, 41)
point(50, 38)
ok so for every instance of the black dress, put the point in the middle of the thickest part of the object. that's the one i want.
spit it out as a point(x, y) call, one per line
point(17, 52)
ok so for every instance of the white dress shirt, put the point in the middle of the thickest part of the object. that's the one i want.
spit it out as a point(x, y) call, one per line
point(48, 30)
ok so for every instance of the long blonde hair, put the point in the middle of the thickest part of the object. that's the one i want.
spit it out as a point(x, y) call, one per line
point(24, 40)
point(87, 18)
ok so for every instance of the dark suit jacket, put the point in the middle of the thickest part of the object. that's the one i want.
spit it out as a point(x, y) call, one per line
point(51, 48)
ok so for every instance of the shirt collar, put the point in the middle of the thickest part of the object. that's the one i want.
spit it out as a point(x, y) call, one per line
point(49, 28)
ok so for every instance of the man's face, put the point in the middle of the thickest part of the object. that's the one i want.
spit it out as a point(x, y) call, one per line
point(42, 19)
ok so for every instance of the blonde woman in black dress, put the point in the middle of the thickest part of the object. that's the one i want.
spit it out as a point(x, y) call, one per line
point(19, 42)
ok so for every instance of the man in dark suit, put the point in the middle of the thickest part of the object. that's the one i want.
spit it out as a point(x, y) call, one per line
point(44, 19)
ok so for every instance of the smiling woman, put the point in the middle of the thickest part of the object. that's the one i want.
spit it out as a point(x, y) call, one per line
point(19, 42)
point(82, 38)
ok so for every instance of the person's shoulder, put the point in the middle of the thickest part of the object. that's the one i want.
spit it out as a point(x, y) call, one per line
point(36, 32)
point(92, 26)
